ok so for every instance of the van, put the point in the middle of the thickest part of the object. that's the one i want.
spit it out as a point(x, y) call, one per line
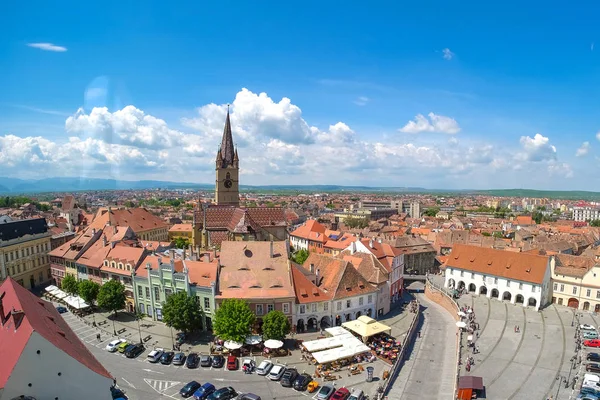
point(590, 335)
point(357, 395)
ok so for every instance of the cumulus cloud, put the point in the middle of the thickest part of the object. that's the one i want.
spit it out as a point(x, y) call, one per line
point(447, 54)
point(537, 148)
point(274, 142)
point(435, 123)
point(47, 47)
point(583, 150)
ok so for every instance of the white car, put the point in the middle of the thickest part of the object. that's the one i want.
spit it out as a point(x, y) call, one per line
point(587, 327)
point(155, 355)
point(264, 367)
point(112, 346)
point(276, 372)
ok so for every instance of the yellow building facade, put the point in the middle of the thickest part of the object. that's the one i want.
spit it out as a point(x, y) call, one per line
point(576, 282)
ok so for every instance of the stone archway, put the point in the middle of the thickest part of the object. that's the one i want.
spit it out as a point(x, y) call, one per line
point(495, 293)
point(472, 288)
point(358, 314)
point(573, 303)
point(483, 290)
point(451, 283)
point(507, 296)
point(338, 320)
point(586, 306)
point(532, 302)
point(312, 324)
point(300, 326)
point(461, 285)
point(519, 299)
point(325, 322)
point(597, 308)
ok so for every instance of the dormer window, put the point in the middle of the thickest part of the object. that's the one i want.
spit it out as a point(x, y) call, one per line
point(106, 263)
point(120, 265)
point(113, 264)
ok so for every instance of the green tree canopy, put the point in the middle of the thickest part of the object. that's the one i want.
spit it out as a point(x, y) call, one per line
point(112, 296)
point(182, 312)
point(595, 222)
point(233, 320)
point(432, 212)
point(69, 285)
point(300, 256)
point(275, 326)
point(88, 291)
point(353, 222)
point(182, 242)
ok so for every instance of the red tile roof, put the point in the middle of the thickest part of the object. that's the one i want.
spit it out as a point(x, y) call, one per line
point(41, 317)
point(311, 230)
point(306, 290)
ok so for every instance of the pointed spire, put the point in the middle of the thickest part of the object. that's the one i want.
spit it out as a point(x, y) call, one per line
point(227, 150)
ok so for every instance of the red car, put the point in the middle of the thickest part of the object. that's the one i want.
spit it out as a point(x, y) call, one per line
point(592, 343)
point(340, 394)
point(232, 363)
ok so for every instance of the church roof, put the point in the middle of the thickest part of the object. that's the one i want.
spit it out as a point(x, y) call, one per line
point(228, 153)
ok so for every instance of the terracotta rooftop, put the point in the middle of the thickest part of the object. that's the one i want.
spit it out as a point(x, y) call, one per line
point(311, 230)
point(181, 228)
point(139, 219)
point(574, 266)
point(306, 290)
point(41, 317)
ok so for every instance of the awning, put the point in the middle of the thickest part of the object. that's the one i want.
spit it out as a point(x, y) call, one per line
point(51, 288)
point(232, 345)
point(327, 343)
point(366, 326)
point(273, 344)
point(76, 302)
point(349, 350)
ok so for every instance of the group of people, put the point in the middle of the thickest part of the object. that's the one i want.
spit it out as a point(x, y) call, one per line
point(386, 347)
point(472, 328)
point(414, 306)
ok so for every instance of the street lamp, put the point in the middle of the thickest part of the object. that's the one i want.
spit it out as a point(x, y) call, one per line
point(172, 341)
point(114, 329)
point(137, 317)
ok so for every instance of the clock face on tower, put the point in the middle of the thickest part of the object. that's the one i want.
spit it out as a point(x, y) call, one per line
point(228, 183)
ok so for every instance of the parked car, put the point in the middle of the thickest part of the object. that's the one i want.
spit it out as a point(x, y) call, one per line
point(590, 335)
point(121, 348)
point(112, 346)
point(155, 355)
point(180, 338)
point(192, 360)
point(325, 392)
point(61, 309)
point(189, 389)
point(592, 367)
point(593, 357)
point(357, 395)
point(226, 393)
point(167, 357)
point(592, 343)
point(340, 394)
point(248, 396)
point(204, 391)
point(134, 350)
point(218, 361)
point(179, 359)
point(301, 382)
point(264, 367)
point(276, 372)
point(232, 363)
point(587, 327)
point(288, 377)
point(205, 361)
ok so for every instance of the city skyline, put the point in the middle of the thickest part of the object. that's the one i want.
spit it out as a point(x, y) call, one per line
point(394, 103)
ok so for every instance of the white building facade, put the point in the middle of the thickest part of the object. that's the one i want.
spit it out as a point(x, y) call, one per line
point(586, 213)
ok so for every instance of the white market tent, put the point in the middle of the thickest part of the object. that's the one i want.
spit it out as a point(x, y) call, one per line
point(59, 294)
point(336, 331)
point(233, 345)
point(327, 343)
point(76, 302)
point(366, 327)
point(51, 288)
point(341, 345)
point(349, 350)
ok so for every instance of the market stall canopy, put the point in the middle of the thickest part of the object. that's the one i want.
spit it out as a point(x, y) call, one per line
point(253, 339)
point(273, 344)
point(366, 327)
point(76, 302)
point(327, 343)
point(350, 349)
point(59, 294)
point(461, 324)
point(232, 345)
point(51, 288)
point(336, 331)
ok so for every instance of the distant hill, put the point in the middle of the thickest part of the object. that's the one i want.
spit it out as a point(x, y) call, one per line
point(551, 194)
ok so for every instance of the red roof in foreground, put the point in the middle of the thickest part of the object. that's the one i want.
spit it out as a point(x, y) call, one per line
point(39, 316)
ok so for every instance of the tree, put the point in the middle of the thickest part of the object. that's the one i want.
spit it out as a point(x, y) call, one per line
point(233, 320)
point(275, 326)
point(432, 212)
point(498, 235)
point(69, 285)
point(595, 222)
point(182, 243)
point(182, 312)
point(353, 222)
point(88, 291)
point(112, 296)
point(300, 256)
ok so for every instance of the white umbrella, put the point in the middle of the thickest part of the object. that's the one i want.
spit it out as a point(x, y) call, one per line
point(253, 339)
point(470, 337)
point(232, 345)
point(273, 344)
point(461, 324)
point(469, 310)
point(462, 314)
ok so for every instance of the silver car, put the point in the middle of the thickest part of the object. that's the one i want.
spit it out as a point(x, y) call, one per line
point(264, 367)
point(325, 392)
point(276, 372)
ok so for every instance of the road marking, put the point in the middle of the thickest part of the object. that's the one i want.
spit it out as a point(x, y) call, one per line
point(127, 382)
point(160, 386)
point(156, 372)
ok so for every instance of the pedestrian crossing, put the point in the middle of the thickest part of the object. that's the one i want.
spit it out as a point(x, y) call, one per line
point(160, 385)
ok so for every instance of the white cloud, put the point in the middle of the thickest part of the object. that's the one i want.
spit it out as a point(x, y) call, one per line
point(362, 101)
point(47, 47)
point(276, 146)
point(583, 150)
point(435, 123)
point(447, 54)
point(537, 148)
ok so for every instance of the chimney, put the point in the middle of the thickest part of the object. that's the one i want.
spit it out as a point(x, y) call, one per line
point(183, 254)
point(271, 248)
point(109, 211)
point(206, 257)
point(317, 277)
point(3, 317)
point(149, 265)
point(104, 241)
point(312, 267)
point(114, 230)
point(371, 243)
point(353, 248)
point(93, 231)
point(159, 262)
point(18, 316)
point(172, 254)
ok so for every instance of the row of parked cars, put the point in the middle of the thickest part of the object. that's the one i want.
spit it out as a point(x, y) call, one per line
point(590, 388)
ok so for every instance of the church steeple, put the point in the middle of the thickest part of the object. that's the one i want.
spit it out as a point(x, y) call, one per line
point(227, 151)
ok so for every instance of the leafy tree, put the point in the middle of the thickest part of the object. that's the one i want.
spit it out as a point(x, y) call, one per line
point(182, 242)
point(486, 234)
point(432, 212)
point(300, 256)
point(88, 291)
point(275, 326)
point(595, 222)
point(182, 312)
point(353, 222)
point(112, 296)
point(538, 217)
point(129, 204)
point(69, 285)
point(233, 320)
point(497, 235)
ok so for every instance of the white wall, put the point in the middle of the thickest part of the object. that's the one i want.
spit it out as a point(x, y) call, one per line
point(41, 370)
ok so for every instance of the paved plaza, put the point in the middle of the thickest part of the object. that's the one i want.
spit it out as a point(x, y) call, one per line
point(143, 380)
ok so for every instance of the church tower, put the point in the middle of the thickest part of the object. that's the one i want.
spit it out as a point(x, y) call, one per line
point(227, 190)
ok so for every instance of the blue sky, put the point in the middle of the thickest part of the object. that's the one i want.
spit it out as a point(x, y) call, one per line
point(493, 76)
